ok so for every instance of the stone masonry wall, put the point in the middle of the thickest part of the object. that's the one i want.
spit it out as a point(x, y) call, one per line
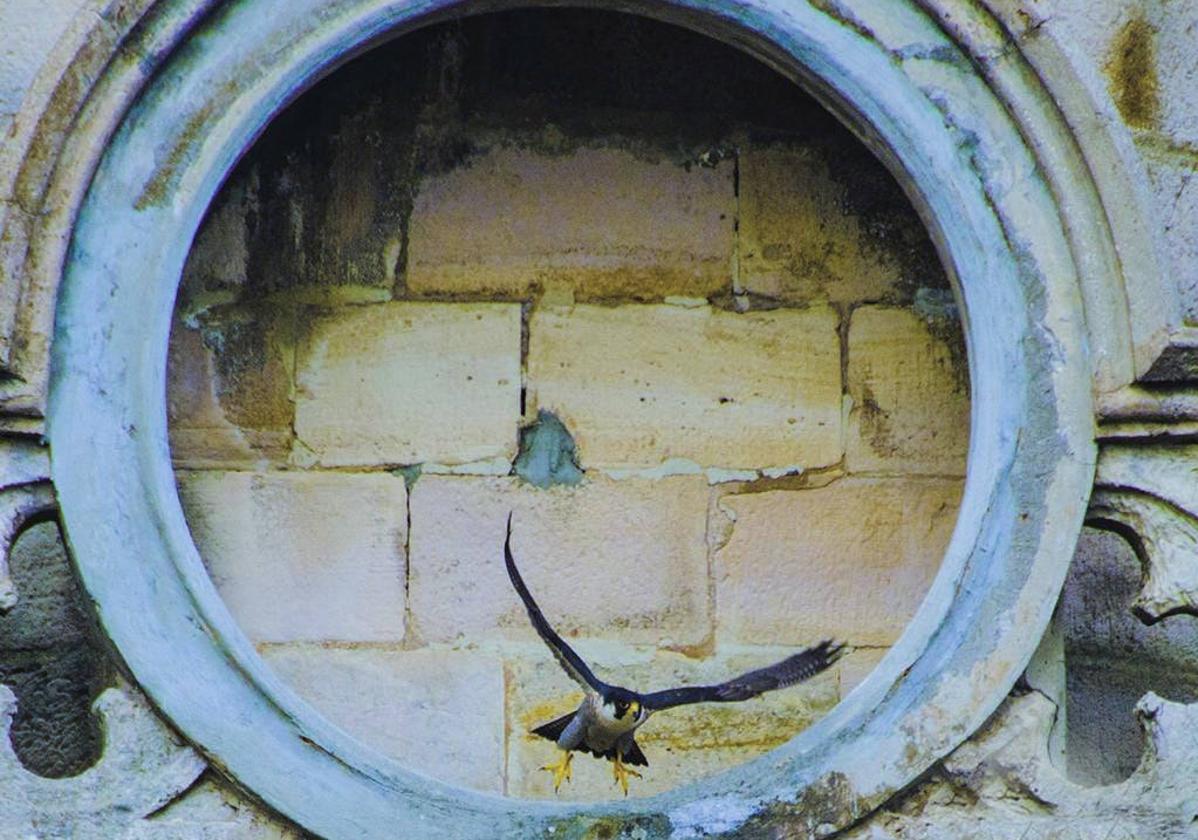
point(705, 353)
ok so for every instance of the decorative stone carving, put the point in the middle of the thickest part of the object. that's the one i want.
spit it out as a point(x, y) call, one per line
point(1002, 783)
point(1011, 201)
point(142, 768)
point(25, 496)
point(1166, 539)
point(911, 90)
point(1147, 490)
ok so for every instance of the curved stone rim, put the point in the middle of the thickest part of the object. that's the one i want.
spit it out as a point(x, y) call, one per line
point(1030, 465)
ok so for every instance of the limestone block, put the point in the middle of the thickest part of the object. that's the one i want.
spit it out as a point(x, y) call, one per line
point(219, 258)
point(801, 241)
point(1175, 188)
point(624, 560)
point(638, 385)
point(303, 556)
point(1178, 69)
point(229, 388)
point(681, 744)
point(910, 396)
point(598, 222)
point(438, 712)
point(851, 560)
point(403, 383)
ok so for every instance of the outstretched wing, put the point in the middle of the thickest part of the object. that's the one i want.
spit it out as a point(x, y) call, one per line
point(566, 657)
point(803, 665)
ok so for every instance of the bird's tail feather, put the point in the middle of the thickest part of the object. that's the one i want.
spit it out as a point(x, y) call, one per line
point(633, 755)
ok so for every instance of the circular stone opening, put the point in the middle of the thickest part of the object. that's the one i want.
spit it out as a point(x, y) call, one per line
point(905, 87)
point(612, 275)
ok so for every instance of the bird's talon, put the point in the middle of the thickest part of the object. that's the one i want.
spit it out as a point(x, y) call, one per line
point(620, 772)
point(561, 770)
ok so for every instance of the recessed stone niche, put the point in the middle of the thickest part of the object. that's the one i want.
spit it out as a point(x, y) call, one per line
point(613, 276)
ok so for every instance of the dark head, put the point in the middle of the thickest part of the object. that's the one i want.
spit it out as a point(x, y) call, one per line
point(623, 702)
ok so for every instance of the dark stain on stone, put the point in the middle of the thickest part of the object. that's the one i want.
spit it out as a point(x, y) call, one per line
point(250, 347)
point(875, 424)
point(1131, 70)
point(584, 827)
point(333, 180)
point(166, 175)
point(830, 801)
point(48, 659)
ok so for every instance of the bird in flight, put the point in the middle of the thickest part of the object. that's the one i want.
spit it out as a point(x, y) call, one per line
point(605, 723)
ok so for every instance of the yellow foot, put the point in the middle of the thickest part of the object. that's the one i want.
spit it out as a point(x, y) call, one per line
point(561, 771)
point(620, 772)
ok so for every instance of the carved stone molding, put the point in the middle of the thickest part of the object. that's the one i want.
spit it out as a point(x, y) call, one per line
point(1016, 790)
point(1146, 489)
point(142, 768)
point(912, 91)
point(26, 496)
point(1055, 265)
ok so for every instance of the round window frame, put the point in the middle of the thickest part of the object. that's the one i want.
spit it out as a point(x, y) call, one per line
point(1031, 454)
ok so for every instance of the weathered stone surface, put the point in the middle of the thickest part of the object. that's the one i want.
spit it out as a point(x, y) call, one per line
point(681, 744)
point(638, 385)
point(856, 666)
point(1151, 491)
point(53, 733)
point(212, 809)
point(403, 383)
point(598, 222)
point(303, 556)
point(48, 611)
point(438, 712)
point(1112, 658)
point(800, 242)
point(229, 383)
point(48, 660)
point(1176, 191)
point(851, 560)
point(30, 29)
point(1178, 69)
point(1096, 608)
point(624, 560)
point(1002, 784)
point(910, 411)
point(142, 768)
point(1167, 537)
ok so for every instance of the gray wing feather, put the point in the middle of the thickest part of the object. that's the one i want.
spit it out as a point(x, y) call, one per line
point(570, 661)
point(801, 666)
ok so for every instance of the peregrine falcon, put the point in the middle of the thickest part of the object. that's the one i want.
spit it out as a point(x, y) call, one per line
point(605, 723)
